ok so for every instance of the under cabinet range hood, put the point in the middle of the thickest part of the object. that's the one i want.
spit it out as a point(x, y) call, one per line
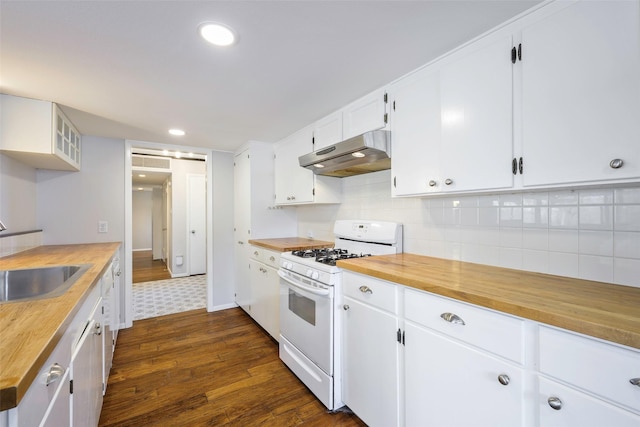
point(369, 152)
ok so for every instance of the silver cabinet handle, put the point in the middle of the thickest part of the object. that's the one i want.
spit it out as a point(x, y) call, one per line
point(432, 183)
point(452, 318)
point(240, 242)
point(365, 290)
point(635, 381)
point(193, 231)
point(448, 181)
point(504, 379)
point(256, 253)
point(345, 307)
point(97, 329)
point(555, 403)
point(272, 258)
point(616, 163)
point(55, 373)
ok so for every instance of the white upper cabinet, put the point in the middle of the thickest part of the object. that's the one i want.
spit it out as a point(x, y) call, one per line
point(39, 134)
point(476, 114)
point(327, 131)
point(365, 114)
point(581, 94)
point(452, 122)
point(415, 133)
point(295, 184)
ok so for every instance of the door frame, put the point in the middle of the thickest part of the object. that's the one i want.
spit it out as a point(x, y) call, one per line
point(128, 223)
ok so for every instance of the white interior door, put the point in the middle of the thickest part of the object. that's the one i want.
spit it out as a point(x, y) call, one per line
point(197, 210)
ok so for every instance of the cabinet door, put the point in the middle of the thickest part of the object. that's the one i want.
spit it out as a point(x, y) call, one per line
point(449, 384)
point(367, 113)
point(573, 408)
point(258, 295)
point(86, 373)
point(294, 184)
point(58, 414)
point(415, 134)
point(370, 364)
point(581, 94)
point(327, 131)
point(242, 228)
point(477, 116)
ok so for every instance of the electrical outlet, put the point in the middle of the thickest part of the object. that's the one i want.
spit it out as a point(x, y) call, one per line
point(103, 227)
point(310, 234)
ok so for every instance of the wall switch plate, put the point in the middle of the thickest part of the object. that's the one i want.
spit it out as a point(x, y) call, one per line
point(103, 227)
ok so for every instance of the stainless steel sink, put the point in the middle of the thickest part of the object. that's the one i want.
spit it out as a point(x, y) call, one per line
point(38, 283)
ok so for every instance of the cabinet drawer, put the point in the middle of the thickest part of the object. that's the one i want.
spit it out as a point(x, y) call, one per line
point(489, 330)
point(601, 368)
point(371, 291)
point(266, 256)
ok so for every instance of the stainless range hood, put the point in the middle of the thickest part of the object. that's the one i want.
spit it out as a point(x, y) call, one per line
point(369, 152)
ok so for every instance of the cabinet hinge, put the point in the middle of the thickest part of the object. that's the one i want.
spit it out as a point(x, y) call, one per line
point(514, 166)
point(102, 309)
point(313, 140)
point(386, 117)
point(248, 156)
point(313, 192)
point(394, 182)
point(520, 165)
point(403, 337)
point(394, 105)
point(519, 51)
point(513, 55)
point(399, 336)
point(386, 98)
point(71, 387)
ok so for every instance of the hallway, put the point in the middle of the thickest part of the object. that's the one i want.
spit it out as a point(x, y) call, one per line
point(146, 269)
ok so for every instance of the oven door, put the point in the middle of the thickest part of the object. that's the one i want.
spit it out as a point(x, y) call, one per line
point(306, 317)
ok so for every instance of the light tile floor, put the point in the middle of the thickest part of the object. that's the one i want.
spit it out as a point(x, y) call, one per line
point(153, 299)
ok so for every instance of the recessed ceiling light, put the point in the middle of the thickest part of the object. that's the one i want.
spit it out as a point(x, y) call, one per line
point(318, 165)
point(217, 34)
point(177, 132)
point(142, 175)
point(358, 154)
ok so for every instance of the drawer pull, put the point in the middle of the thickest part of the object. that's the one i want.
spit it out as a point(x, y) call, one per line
point(272, 258)
point(256, 253)
point(55, 373)
point(365, 290)
point(452, 318)
point(504, 379)
point(555, 403)
point(635, 381)
point(345, 307)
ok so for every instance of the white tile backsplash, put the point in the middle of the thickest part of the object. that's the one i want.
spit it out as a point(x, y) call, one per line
point(584, 233)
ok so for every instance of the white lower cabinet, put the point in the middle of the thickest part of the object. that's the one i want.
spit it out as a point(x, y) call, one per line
point(413, 358)
point(450, 384)
point(86, 372)
point(265, 289)
point(370, 353)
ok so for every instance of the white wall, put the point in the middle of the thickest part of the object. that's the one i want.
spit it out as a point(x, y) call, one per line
point(591, 234)
point(222, 233)
point(70, 204)
point(17, 195)
point(142, 217)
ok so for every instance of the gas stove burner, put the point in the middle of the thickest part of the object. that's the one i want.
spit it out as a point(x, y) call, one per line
point(315, 253)
point(307, 253)
point(332, 258)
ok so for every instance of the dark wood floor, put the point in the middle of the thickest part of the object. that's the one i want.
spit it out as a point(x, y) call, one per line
point(146, 269)
point(207, 369)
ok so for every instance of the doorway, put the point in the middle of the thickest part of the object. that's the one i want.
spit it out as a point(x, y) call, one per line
point(178, 202)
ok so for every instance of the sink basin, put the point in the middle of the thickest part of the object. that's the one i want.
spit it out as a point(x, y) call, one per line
point(38, 283)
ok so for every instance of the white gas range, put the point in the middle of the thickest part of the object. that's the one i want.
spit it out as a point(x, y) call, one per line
point(310, 295)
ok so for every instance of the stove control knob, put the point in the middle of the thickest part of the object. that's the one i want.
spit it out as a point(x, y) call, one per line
point(315, 275)
point(309, 273)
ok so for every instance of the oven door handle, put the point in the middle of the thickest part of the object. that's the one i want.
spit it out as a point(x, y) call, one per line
point(316, 291)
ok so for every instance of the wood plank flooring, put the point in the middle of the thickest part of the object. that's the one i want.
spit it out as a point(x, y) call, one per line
point(207, 369)
point(146, 269)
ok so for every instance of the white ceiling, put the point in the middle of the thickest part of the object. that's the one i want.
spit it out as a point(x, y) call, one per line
point(133, 69)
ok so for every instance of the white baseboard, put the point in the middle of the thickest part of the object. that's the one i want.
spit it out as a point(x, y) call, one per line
point(222, 307)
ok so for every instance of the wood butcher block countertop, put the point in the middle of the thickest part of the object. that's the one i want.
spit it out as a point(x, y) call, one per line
point(288, 244)
point(602, 310)
point(30, 330)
